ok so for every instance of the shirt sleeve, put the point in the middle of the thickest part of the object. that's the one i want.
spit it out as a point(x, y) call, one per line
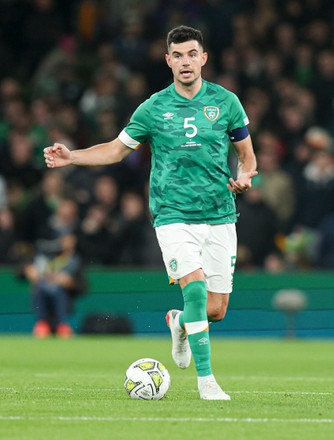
point(238, 115)
point(138, 128)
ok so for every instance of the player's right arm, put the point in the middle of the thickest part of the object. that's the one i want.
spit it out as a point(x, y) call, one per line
point(58, 155)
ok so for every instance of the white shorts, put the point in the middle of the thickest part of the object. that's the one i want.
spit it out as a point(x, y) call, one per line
point(186, 248)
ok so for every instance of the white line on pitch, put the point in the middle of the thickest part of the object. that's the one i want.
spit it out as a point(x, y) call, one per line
point(285, 378)
point(105, 390)
point(167, 419)
point(281, 392)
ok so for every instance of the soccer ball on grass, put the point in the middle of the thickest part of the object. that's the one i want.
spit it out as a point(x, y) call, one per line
point(147, 379)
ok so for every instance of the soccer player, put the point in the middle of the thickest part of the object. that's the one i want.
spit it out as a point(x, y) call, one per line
point(189, 126)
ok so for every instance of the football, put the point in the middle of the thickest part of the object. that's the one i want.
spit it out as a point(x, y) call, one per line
point(147, 379)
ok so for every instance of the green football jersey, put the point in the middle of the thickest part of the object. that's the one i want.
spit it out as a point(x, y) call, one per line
point(189, 144)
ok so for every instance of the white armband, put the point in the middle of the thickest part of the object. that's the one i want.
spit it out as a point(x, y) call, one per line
point(127, 140)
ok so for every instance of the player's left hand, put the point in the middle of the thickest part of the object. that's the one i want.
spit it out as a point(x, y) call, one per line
point(243, 182)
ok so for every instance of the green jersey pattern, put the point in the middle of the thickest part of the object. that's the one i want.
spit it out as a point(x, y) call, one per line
point(189, 144)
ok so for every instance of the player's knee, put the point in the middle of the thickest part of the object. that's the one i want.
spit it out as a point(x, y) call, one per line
point(195, 292)
point(195, 300)
point(217, 313)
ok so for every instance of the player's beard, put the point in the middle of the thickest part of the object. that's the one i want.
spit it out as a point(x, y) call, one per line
point(188, 82)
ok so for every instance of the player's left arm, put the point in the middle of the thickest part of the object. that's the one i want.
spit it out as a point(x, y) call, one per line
point(246, 166)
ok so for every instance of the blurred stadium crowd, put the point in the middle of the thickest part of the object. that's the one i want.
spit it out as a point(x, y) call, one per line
point(74, 71)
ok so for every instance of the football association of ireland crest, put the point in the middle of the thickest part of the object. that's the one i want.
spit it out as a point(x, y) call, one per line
point(211, 113)
point(173, 265)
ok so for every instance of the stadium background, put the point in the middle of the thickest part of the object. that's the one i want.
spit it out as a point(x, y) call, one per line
point(74, 72)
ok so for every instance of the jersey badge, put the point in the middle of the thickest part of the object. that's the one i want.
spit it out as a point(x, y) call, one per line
point(212, 113)
point(168, 116)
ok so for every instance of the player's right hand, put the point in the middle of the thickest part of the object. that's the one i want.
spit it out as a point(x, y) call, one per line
point(57, 156)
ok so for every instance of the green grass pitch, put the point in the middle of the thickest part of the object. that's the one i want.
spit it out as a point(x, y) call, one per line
point(73, 389)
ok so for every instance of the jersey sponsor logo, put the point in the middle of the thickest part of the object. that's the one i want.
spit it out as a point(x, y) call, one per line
point(168, 116)
point(173, 265)
point(212, 113)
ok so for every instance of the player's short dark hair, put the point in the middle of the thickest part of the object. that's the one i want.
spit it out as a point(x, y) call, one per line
point(182, 33)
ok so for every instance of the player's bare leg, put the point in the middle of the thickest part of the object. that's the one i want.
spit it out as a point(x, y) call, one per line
point(217, 306)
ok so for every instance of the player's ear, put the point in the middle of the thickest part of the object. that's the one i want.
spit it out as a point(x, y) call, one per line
point(204, 58)
point(167, 58)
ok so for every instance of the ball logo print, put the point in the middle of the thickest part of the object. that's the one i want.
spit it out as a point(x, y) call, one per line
point(147, 379)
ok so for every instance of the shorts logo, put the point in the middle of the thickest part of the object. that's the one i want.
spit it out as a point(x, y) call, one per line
point(173, 265)
point(211, 113)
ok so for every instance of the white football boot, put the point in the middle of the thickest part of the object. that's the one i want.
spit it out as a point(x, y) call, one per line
point(210, 390)
point(181, 352)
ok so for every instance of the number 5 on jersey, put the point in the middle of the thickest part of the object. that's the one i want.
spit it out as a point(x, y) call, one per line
point(187, 125)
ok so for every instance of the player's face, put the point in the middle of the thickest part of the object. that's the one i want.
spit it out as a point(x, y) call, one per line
point(186, 61)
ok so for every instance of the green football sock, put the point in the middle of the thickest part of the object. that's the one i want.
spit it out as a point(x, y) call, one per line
point(181, 320)
point(194, 319)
